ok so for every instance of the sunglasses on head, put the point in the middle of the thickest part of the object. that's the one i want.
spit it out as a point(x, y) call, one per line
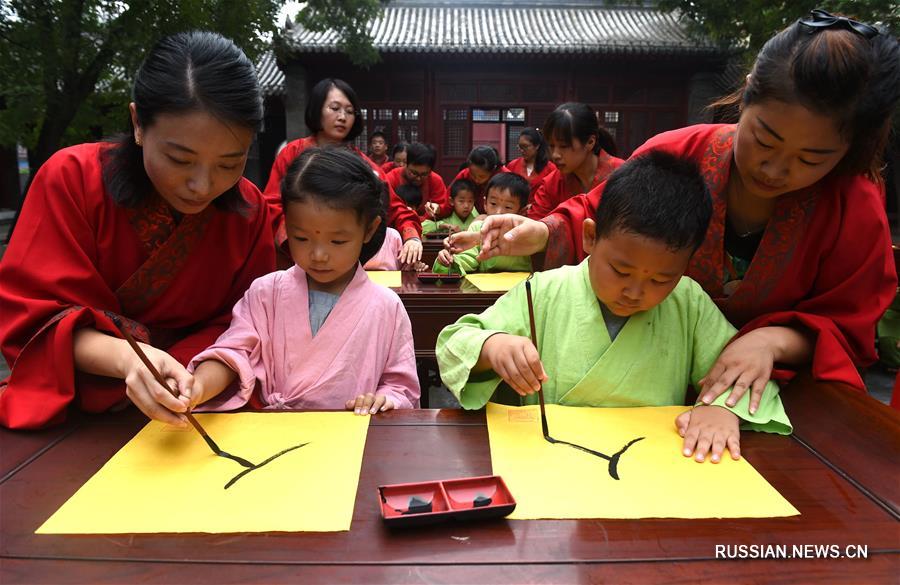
point(821, 20)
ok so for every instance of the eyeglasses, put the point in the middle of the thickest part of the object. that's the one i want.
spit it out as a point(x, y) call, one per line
point(820, 20)
point(337, 109)
point(416, 174)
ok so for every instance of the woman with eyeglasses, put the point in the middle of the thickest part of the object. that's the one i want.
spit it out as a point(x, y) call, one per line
point(534, 164)
point(584, 154)
point(332, 117)
point(798, 253)
point(419, 172)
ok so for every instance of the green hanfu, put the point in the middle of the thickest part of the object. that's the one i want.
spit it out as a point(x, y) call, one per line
point(654, 357)
point(429, 226)
point(468, 262)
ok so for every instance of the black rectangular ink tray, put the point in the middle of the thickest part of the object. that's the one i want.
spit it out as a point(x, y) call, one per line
point(436, 277)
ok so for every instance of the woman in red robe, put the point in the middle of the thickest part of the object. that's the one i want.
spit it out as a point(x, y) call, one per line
point(534, 164)
point(159, 229)
point(331, 114)
point(482, 164)
point(798, 253)
point(419, 172)
point(583, 152)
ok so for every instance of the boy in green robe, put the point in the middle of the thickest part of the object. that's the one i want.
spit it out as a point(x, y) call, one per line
point(506, 193)
point(462, 201)
point(624, 328)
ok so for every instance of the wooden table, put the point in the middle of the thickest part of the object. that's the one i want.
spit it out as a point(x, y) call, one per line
point(840, 470)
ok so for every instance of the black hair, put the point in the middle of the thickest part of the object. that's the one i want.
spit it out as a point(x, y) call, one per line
point(377, 134)
point(485, 157)
point(574, 120)
point(659, 196)
point(340, 179)
point(317, 97)
point(515, 183)
point(410, 194)
point(398, 148)
point(194, 71)
point(834, 72)
point(541, 158)
point(421, 154)
point(461, 185)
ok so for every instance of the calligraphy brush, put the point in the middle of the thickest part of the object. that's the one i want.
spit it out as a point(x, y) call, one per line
point(140, 353)
point(614, 459)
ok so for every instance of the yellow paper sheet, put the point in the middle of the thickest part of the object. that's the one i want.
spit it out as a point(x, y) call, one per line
point(167, 479)
point(655, 480)
point(388, 278)
point(496, 281)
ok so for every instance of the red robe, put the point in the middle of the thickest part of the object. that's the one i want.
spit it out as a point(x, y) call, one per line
point(534, 180)
point(76, 255)
point(433, 191)
point(557, 186)
point(825, 262)
point(479, 189)
point(400, 217)
point(388, 166)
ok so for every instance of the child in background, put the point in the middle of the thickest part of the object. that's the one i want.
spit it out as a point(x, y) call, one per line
point(398, 157)
point(378, 148)
point(319, 335)
point(506, 193)
point(621, 329)
point(482, 164)
point(462, 202)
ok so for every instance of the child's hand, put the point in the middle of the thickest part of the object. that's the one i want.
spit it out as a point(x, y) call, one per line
point(369, 404)
point(746, 362)
point(707, 427)
point(445, 258)
point(516, 360)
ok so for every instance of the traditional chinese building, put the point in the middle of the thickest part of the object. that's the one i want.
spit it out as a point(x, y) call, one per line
point(456, 74)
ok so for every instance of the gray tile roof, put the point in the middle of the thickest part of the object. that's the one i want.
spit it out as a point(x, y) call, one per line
point(271, 78)
point(507, 28)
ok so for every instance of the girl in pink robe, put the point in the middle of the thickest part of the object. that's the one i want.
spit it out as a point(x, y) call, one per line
point(319, 335)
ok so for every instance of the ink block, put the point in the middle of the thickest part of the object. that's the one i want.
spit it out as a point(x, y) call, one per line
point(436, 277)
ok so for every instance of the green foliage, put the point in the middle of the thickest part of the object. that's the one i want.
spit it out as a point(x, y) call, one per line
point(67, 65)
point(745, 26)
point(349, 18)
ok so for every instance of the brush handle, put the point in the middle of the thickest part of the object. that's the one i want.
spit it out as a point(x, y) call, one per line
point(545, 428)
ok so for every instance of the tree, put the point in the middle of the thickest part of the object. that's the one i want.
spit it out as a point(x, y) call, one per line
point(67, 65)
point(745, 26)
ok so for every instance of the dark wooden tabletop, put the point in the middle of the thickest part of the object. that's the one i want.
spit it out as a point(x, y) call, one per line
point(840, 471)
point(431, 307)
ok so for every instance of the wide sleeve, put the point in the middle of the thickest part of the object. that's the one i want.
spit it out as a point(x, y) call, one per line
point(399, 380)
point(544, 200)
point(51, 287)
point(459, 347)
point(564, 245)
point(711, 333)
point(240, 348)
point(855, 283)
point(402, 218)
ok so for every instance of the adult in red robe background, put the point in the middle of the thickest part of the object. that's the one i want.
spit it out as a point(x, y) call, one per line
point(583, 152)
point(534, 164)
point(159, 228)
point(482, 164)
point(398, 157)
point(419, 172)
point(332, 116)
point(799, 173)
